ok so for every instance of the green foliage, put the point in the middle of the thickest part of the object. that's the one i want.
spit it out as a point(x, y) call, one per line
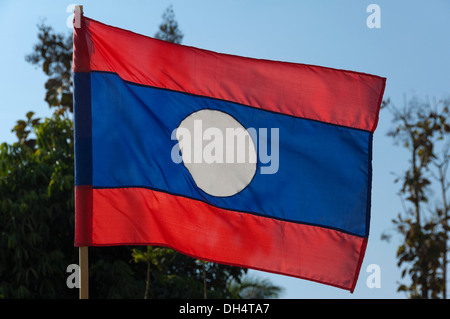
point(24, 127)
point(174, 275)
point(36, 211)
point(423, 249)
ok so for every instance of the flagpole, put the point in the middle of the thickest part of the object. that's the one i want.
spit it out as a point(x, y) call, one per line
point(84, 272)
point(82, 251)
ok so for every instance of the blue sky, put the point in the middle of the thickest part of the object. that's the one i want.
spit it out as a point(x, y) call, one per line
point(411, 49)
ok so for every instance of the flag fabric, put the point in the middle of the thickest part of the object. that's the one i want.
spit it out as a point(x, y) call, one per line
point(301, 208)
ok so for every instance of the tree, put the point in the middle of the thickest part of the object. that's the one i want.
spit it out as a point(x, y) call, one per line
point(421, 129)
point(254, 288)
point(441, 164)
point(168, 29)
point(53, 53)
point(174, 275)
point(35, 210)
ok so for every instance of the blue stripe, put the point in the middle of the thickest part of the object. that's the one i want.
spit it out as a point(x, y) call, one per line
point(82, 129)
point(324, 170)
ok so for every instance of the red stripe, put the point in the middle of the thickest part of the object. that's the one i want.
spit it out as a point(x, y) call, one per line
point(328, 95)
point(83, 215)
point(137, 216)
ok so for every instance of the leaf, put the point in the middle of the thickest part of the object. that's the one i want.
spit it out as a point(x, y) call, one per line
point(29, 115)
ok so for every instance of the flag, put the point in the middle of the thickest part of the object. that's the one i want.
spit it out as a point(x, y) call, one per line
point(247, 162)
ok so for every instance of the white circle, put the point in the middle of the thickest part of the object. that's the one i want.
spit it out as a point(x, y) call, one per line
point(218, 152)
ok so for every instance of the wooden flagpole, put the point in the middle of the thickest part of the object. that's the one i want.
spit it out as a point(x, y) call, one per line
point(84, 272)
point(82, 251)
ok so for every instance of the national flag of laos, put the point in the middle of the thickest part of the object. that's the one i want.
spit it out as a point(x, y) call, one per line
point(305, 213)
